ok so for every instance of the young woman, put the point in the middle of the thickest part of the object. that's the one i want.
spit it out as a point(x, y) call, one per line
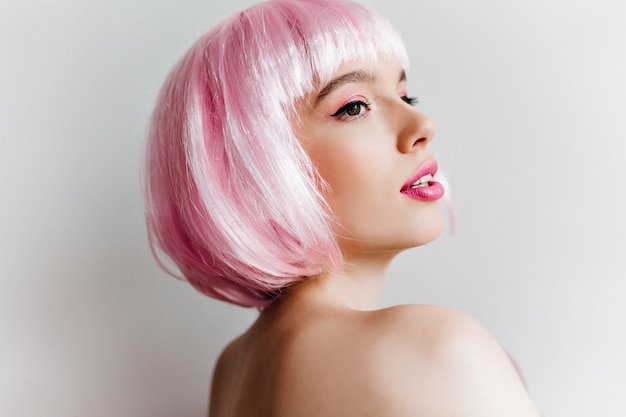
point(286, 168)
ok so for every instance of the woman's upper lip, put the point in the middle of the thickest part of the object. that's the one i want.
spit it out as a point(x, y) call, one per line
point(427, 167)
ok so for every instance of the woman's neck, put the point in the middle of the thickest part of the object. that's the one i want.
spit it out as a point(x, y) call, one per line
point(358, 286)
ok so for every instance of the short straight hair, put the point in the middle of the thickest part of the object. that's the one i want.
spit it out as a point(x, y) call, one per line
point(231, 196)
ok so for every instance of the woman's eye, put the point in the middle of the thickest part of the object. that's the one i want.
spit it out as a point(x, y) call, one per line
point(410, 100)
point(352, 109)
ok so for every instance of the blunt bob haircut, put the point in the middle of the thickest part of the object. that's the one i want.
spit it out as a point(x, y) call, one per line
point(231, 196)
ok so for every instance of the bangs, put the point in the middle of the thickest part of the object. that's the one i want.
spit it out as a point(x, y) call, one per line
point(342, 34)
point(309, 40)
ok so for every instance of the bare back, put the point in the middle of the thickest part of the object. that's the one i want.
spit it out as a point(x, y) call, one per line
point(401, 361)
point(265, 371)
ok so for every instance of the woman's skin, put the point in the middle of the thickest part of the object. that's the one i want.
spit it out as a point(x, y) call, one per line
point(325, 349)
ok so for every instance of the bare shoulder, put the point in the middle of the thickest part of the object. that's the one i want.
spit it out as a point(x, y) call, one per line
point(448, 363)
point(405, 361)
point(432, 330)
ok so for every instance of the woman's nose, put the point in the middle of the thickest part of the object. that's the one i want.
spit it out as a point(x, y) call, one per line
point(418, 130)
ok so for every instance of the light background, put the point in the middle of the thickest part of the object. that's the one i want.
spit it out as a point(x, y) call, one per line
point(529, 97)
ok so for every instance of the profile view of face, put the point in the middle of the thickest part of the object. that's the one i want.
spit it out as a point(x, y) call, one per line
point(369, 145)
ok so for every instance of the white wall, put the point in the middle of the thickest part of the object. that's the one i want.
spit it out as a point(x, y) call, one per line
point(529, 97)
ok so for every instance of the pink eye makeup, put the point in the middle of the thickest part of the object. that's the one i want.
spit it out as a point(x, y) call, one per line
point(351, 110)
point(358, 108)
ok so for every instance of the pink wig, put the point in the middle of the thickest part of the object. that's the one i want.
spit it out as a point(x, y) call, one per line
point(231, 197)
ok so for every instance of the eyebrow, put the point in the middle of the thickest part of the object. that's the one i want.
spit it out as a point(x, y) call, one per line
point(355, 76)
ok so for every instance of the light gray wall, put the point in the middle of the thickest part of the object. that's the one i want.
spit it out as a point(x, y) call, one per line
point(529, 97)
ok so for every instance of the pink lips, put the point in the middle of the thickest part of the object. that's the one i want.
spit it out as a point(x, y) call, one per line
point(431, 192)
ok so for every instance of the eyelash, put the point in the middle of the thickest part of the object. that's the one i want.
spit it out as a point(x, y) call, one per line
point(412, 101)
point(342, 113)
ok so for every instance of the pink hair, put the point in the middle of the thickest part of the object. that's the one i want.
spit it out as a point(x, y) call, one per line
point(231, 197)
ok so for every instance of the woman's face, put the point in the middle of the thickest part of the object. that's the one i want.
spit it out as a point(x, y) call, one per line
point(369, 145)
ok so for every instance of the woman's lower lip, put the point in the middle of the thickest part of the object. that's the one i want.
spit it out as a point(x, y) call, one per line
point(434, 191)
